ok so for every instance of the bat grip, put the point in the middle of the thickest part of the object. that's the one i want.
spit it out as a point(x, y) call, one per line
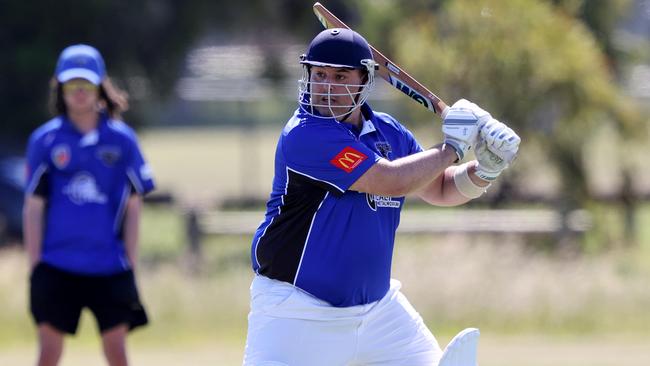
point(444, 112)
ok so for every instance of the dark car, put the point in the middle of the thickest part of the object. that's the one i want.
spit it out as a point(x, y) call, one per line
point(12, 181)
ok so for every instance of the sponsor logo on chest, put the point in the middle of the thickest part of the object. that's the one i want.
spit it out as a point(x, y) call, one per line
point(375, 201)
point(83, 189)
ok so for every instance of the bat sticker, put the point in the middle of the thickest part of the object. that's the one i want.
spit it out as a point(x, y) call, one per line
point(394, 69)
point(397, 83)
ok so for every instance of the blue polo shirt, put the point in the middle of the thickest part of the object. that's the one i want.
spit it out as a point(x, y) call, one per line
point(86, 181)
point(331, 242)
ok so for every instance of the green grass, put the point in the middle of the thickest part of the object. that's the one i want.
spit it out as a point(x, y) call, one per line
point(514, 293)
point(162, 235)
point(500, 283)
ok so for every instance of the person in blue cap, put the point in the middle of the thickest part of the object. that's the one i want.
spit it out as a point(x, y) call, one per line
point(86, 177)
point(323, 293)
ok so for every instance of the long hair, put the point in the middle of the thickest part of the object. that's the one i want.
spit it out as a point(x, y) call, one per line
point(111, 99)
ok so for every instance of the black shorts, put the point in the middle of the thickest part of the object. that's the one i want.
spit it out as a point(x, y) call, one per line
point(57, 297)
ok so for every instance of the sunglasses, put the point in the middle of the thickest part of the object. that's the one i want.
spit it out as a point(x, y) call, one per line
point(75, 85)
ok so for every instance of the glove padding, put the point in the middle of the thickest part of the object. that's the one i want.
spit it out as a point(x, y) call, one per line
point(500, 139)
point(490, 165)
point(461, 126)
point(496, 150)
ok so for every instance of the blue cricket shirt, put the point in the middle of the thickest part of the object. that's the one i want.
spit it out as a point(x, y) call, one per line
point(86, 181)
point(333, 243)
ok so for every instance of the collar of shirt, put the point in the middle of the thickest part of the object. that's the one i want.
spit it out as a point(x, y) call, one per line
point(90, 138)
point(367, 127)
point(367, 115)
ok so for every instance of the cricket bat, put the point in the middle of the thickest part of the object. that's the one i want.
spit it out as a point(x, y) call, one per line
point(389, 70)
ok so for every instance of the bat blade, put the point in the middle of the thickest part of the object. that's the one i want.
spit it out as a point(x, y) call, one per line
point(388, 70)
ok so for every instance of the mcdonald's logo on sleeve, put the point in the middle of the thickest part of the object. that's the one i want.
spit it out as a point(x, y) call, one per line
point(348, 159)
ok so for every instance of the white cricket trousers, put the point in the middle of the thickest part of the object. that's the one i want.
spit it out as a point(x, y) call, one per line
point(287, 326)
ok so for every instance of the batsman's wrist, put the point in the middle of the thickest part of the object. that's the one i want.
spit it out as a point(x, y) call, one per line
point(460, 154)
point(488, 176)
point(467, 186)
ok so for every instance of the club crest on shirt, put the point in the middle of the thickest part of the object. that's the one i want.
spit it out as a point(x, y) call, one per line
point(384, 149)
point(61, 156)
point(83, 188)
point(375, 201)
point(109, 155)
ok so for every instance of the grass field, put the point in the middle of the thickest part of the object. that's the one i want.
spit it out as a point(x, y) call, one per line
point(493, 351)
point(532, 307)
point(201, 320)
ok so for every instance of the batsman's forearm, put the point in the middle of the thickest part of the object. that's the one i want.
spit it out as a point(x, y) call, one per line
point(444, 191)
point(405, 175)
point(418, 170)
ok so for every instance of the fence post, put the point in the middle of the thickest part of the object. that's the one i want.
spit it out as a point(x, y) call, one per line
point(194, 239)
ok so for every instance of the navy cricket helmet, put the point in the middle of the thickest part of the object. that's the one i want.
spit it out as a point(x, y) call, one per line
point(338, 47)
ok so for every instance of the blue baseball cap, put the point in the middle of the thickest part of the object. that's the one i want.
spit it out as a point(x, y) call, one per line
point(80, 61)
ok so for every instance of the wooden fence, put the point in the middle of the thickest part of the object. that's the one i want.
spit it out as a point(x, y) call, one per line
point(470, 221)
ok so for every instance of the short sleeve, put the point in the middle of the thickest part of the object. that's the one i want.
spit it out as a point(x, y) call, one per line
point(138, 170)
point(411, 142)
point(328, 154)
point(408, 142)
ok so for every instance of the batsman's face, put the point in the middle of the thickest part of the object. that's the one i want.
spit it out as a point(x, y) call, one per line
point(334, 89)
point(80, 95)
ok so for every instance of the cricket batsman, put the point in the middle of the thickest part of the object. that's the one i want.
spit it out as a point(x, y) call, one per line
point(323, 293)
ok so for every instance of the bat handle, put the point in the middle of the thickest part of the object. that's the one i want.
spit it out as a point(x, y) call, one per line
point(445, 109)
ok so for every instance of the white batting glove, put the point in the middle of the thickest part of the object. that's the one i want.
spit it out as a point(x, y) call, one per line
point(460, 126)
point(500, 139)
point(490, 165)
point(497, 148)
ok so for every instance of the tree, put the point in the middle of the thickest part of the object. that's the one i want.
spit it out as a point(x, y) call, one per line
point(140, 40)
point(530, 63)
point(601, 16)
point(136, 38)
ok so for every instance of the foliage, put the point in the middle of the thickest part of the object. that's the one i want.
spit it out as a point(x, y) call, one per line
point(137, 38)
point(529, 63)
point(601, 17)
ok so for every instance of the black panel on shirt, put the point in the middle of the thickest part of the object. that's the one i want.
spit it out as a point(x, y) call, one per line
point(280, 248)
point(324, 185)
point(43, 187)
point(132, 190)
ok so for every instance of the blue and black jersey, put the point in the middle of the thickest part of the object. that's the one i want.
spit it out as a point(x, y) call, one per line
point(333, 243)
point(86, 180)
